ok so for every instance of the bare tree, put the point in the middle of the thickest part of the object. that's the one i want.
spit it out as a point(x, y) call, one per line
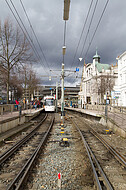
point(16, 87)
point(29, 81)
point(104, 85)
point(3, 74)
point(14, 49)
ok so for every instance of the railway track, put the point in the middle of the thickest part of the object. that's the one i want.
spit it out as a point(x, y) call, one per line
point(67, 160)
point(26, 128)
point(33, 167)
point(17, 161)
point(108, 165)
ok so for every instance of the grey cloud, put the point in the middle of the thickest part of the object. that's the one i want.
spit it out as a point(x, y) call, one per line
point(47, 20)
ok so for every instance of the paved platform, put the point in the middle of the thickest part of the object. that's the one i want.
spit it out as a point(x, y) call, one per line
point(6, 116)
point(10, 123)
point(115, 121)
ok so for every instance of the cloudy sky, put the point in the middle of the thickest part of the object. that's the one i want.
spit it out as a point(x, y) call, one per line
point(46, 17)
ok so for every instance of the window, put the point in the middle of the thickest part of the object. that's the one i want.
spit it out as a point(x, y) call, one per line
point(121, 77)
point(87, 73)
point(49, 102)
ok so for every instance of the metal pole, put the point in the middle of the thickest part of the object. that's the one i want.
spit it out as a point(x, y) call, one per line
point(106, 110)
point(56, 96)
point(62, 97)
point(25, 90)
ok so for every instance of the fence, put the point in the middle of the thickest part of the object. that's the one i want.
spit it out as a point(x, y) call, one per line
point(6, 108)
point(117, 114)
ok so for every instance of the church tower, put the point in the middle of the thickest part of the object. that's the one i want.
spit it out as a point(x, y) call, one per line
point(96, 58)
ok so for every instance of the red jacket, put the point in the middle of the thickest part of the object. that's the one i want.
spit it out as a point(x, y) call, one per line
point(17, 102)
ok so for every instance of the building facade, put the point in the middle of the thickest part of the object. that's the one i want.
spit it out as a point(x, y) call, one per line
point(70, 93)
point(122, 79)
point(98, 80)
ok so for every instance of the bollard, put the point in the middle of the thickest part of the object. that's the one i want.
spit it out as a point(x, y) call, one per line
point(19, 112)
point(59, 180)
point(2, 110)
point(11, 108)
point(106, 112)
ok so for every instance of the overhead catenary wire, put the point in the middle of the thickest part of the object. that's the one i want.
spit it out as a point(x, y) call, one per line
point(82, 32)
point(26, 30)
point(88, 31)
point(89, 28)
point(20, 25)
point(34, 33)
point(96, 28)
point(27, 36)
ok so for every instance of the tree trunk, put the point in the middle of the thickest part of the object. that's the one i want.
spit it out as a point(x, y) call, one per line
point(8, 81)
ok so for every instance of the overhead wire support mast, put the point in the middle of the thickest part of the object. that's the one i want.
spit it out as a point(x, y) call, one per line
point(65, 18)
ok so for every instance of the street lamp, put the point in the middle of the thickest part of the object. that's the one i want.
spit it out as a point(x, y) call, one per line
point(83, 99)
point(80, 59)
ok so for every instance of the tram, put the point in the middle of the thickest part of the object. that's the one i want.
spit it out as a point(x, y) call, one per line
point(49, 103)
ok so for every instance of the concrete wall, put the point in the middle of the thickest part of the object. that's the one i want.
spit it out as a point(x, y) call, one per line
point(28, 117)
point(85, 115)
point(10, 123)
point(6, 108)
point(101, 119)
point(110, 108)
point(114, 127)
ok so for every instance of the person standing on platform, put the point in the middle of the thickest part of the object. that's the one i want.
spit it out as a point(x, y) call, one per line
point(35, 105)
point(17, 103)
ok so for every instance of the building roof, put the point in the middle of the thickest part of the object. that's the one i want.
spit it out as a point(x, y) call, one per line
point(96, 55)
point(101, 66)
point(120, 56)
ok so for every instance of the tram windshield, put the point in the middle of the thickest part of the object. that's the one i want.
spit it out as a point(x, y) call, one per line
point(49, 102)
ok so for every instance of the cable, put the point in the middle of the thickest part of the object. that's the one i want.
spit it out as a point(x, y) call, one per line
point(34, 33)
point(82, 32)
point(29, 39)
point(96, 28)
point(25, 28)
point(89, 28)
point(19, 24)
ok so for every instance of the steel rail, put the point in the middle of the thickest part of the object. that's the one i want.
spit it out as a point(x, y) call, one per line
point(90, 155)
point(10, 151)
point(114, 152)
point(23, 174)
